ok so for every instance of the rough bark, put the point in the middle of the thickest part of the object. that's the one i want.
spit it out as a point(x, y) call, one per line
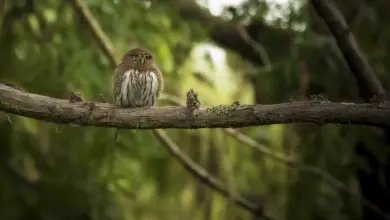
point(106, 115)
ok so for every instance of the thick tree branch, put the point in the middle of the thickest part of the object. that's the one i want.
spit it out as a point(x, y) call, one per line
point(106, 115)
point(369, 84)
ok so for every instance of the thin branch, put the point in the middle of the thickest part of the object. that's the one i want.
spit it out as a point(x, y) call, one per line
point(202, 174)
point(106, 115)
point(369, 84)
point(256, 46)
point(98, 33)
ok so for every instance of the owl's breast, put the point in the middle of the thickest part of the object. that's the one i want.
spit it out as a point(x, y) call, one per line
point(138, 89)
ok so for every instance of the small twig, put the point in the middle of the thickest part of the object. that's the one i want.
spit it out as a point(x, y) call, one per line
point(192, 100)
point(256, 46)
point(9, 119)
point(259, 147)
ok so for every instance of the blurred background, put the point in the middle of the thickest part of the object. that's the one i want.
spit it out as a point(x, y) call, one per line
point(252, 51)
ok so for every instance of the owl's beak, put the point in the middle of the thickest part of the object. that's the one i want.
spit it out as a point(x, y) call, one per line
point(143, 60)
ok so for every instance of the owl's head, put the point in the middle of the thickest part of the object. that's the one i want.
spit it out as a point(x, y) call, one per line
point(138, 58)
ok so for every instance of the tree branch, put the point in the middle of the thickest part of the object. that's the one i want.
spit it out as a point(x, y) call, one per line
point(369, 84)
point(202, 174)
point(97, 32)
point(107, 115)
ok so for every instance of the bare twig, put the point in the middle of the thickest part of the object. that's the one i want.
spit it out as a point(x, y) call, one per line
point(9, 119)
point(369, 84)
point(256, 47)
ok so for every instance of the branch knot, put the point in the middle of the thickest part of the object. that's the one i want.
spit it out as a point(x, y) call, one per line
point(192, 100)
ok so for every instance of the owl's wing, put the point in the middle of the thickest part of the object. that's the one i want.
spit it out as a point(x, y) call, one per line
point(160, 80)
point(118, 78)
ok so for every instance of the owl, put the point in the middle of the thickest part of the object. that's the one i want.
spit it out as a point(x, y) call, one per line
point(137, 81)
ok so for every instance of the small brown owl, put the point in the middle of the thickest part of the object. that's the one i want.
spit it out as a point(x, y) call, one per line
point(137, 81)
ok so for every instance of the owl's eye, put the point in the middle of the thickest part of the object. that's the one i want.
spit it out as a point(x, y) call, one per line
point(148, 57)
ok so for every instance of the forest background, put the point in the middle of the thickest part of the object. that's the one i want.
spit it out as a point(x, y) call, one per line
point(254, 52)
